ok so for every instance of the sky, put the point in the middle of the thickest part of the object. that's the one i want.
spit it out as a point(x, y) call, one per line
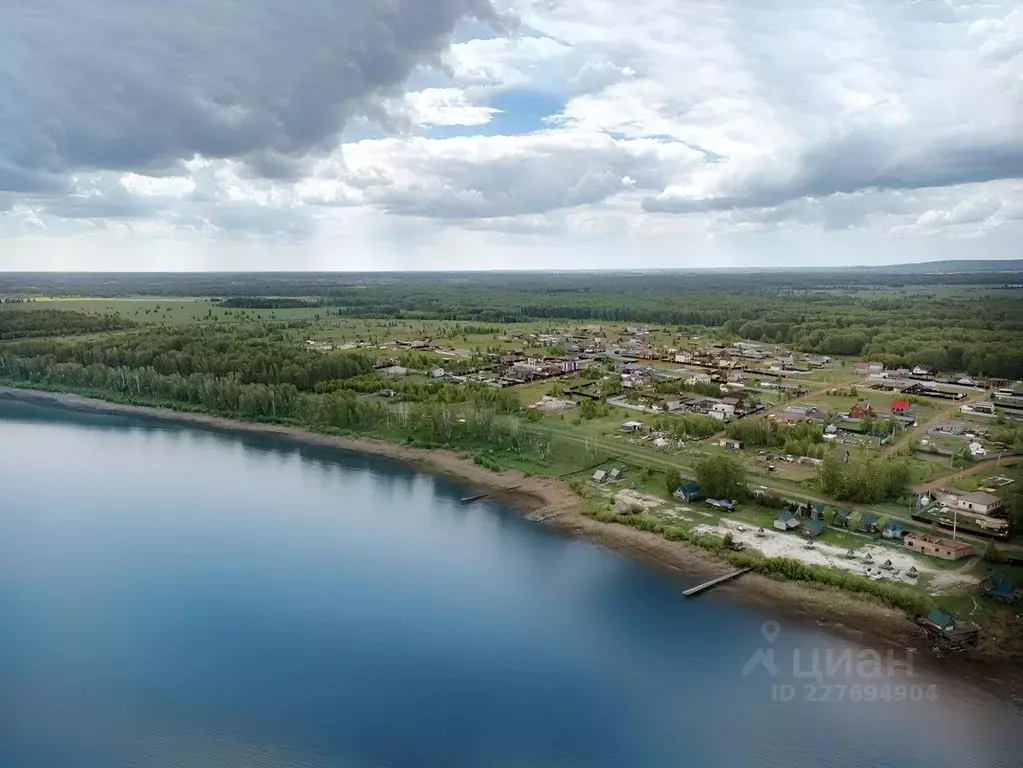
point(508, 134)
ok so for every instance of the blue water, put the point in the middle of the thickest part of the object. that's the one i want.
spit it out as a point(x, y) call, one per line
point(174, 597)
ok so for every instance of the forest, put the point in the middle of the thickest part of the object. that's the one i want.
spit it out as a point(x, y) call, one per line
point(955, 321)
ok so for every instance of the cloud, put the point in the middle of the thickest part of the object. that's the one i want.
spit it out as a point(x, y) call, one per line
point(446, 106)
point(493, 177)
point(145, 85)
point(639, 133)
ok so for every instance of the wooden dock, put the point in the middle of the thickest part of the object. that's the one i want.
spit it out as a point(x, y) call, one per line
point(714, 582)
point(468, 499)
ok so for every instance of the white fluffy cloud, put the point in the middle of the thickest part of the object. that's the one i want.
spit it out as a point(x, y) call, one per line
point(581, 133)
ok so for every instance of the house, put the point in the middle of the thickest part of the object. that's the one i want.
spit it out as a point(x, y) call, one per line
point(722, 411)
point(727, 442)
point(830, 432)
point(875, 367)
point(614, 475)
point(868, 524)
point(977, 450)
point(893, 530)
point(786, 521)
point(817, 513)
point(986, 408)
point(923, 371)
point(842, 516)
point(794, 413)
point(980, 502)
point(813, 528)
point(1000, 588)
point(946, 549)
point(900, 407)
point(600, 477)
point(940, 620)
point(687, 492)
point(684, 357)
point(862, 410)
point(630, 427)
point(437, 373)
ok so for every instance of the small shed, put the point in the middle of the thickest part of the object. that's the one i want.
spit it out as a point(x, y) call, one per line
point(614, 475)
point(813, 528)
point(632, 426)
point(688, 492)
point(600, 476)
point(727, 442)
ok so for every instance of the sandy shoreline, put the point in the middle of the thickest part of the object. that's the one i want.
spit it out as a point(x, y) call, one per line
point(856, 617)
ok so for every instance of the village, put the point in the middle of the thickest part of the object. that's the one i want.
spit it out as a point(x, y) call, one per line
point(653, 400)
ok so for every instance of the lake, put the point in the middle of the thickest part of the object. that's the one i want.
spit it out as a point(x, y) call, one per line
point(180, 597)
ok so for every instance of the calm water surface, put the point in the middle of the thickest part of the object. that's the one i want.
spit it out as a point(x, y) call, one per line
point(174, 597)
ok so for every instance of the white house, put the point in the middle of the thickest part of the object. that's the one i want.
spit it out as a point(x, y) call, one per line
point(727, 410)
point(875, 367)
point(977, 450)
point(980, 502)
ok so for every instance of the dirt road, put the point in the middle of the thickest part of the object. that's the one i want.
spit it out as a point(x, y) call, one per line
point(918, 431)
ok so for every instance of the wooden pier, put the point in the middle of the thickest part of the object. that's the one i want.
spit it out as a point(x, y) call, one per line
point(714, 582)
point(468, 499)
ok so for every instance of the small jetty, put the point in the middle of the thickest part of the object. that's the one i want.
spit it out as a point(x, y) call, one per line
point(477, 497)
point(691, 592)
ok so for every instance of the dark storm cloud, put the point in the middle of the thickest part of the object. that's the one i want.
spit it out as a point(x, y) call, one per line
point(146, 84)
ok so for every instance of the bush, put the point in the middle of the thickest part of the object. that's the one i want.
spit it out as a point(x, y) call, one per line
point(486, 461)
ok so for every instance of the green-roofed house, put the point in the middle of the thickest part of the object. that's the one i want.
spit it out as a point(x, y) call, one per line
point(813, 528)
point(1000, 588)
point(818, 511)
point(868, 524)
point(842, 515)
point(786, 521)
point(687, 492)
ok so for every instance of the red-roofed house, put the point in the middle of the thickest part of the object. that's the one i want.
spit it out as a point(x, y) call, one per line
point(900, 406)
point(862, 410)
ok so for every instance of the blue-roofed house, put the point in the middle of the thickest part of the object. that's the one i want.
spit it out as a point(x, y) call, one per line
point(941, 620)
point(893, 530)
point(842, 515)
point(868, 523)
